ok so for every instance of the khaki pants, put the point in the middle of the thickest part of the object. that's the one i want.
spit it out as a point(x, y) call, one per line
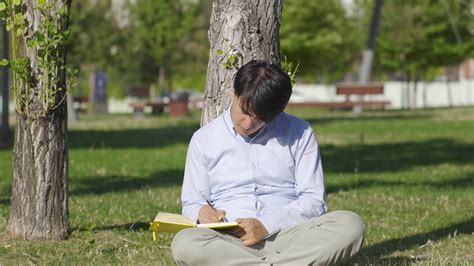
point(324, 240)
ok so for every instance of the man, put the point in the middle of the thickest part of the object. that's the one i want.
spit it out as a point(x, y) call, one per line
point(261, 167)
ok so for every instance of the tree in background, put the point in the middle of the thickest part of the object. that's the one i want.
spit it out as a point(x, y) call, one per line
point(39, 202)
point(319, 35)
point(416, 37)
point(94, 32)
point(159, 27)
point(131, 39)
point(190, 66)
point(240, 32)
point(99, 44)
point(325, 37)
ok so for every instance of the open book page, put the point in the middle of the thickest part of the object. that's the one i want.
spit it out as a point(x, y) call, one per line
point(173, 223)
point(218, 226)
point(170, 223)
point(165, 217)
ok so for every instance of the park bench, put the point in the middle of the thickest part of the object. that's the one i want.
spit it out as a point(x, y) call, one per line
point(140, 96)
point(360, 91)
point(141, 99)
point(80, 102)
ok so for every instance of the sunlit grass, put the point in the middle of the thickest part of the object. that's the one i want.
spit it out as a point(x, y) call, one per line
point(409, 174)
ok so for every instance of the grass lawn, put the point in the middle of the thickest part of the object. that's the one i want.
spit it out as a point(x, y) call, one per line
point(409, 174)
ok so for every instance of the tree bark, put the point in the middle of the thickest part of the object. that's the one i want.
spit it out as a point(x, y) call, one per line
point(39, 202)
point(248, 28)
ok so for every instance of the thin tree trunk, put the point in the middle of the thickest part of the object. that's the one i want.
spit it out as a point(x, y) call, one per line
point(248, 28)
point(162, 80)
point(4, 131)
point(425, 94)
point(415, 93)
point(449, 92)
point(406, 100)
point(39, 203)
point(406, 81)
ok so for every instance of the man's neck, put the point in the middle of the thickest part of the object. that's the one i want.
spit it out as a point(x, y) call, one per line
point(254, 133)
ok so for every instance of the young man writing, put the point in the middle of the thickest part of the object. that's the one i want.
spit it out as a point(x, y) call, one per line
point(262, 168)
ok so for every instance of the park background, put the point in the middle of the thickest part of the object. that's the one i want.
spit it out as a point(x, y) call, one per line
point(408, 172)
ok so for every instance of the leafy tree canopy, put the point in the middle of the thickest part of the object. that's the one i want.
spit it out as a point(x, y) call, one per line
point(158, 29)
point(416, 36)
point(320, 35)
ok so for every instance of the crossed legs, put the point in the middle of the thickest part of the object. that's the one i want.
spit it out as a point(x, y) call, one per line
point(324, 240)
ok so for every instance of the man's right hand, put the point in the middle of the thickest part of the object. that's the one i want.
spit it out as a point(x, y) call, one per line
point(207, 214)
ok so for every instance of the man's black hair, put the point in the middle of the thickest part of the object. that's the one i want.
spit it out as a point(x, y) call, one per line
point(263, 89)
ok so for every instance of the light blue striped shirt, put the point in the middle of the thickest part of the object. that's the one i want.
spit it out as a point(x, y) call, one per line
point(276, 176)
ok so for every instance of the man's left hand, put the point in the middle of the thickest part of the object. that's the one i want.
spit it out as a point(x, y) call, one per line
point(252, 231)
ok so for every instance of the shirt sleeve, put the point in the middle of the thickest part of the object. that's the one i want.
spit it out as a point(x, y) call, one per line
point(196, 187)
point(309, 186)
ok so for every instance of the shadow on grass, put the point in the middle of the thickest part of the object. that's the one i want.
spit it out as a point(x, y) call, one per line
point(130, 138)
point(394, 157)
point(4, 201)
point(105, 184)
point(366, 116)
point(374, 253)
point(461, 182)
point(360, 259)
point(336, 159)
point(136, 226)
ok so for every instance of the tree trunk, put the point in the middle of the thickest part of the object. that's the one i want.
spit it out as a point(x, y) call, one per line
point(415, 93)
point(5, 84)
point(162, 79)
point(248, 28)
point(425, 94)
point(449, 92)
point(39, 203)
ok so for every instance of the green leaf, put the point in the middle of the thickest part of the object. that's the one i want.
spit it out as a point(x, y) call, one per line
point(41, 2)
point(219, 52)
point(16, 2)
point(31, 43)
point(4, 62)
point(232, 59)
point(91, 227)
point(3, 6)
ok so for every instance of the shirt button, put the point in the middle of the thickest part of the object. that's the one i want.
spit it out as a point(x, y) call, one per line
point(256, 189)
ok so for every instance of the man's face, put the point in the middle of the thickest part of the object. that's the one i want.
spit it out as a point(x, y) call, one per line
point(244, 124)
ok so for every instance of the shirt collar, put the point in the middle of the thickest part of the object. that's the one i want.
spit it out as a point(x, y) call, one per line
point(229, 123)
point(233, 132)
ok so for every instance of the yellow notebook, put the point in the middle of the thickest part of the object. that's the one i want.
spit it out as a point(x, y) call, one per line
point(172, 223)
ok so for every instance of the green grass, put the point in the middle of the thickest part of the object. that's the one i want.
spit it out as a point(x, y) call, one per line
point(409, 174)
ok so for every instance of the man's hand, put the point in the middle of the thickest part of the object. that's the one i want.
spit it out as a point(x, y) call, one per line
point(251, 231)
point(207, 214)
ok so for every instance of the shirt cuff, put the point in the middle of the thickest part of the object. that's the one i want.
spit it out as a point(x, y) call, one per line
point(271, 224)
point(192, 212)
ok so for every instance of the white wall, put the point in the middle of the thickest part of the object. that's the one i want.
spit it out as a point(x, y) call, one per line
point(435, 93)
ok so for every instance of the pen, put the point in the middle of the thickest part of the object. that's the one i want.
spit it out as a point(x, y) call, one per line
point(210, 204)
